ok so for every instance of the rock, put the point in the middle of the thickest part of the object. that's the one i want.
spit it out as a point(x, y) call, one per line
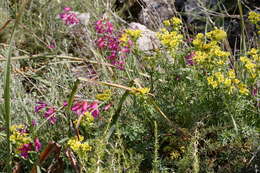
point(84, 18)
point(155, 12)
point(148, 40)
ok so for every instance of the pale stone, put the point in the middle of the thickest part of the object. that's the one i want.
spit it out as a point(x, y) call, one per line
point(148, 40)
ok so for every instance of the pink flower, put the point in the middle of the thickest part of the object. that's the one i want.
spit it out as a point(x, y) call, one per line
point(39, 106)
point(107, 107)
point(37, 144)
point(34, 123)
point(189, 59)
point(49, 115)
point(65, 103)
point(52, 45)
point(25, 150)
point(69, 17)
point(93, 108)
point(66, 9)
point(80, 107)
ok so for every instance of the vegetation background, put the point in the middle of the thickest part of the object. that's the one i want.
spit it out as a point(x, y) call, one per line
point(189, 104)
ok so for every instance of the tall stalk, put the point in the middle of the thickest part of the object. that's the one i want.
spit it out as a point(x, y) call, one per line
point(243, 30)
point(7, 89)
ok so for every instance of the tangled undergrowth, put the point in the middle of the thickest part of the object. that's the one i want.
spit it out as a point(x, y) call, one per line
point(84, 97)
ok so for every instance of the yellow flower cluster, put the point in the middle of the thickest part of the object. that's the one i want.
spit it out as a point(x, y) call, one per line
point(228, 82)
point(86, 121)
point(140, 91)
point(130, 34)
point(175, 22)
point(209, 54)
point(217, 35)
point(78, 146)
point(255, 19)
point(251, 63)
point(171, 40)
point(105, 96)
point(17, 137)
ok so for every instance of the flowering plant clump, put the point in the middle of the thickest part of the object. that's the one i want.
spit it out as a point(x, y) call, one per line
point(81, 107)
point(22, 141)
point(69, 17)
point(171, 39)
point(86, 121)
point(49, 113)
point(210, 58)
point(254, 18)
point(209, 55)
point(251, 63)
point(78, 146)
point(115, 46)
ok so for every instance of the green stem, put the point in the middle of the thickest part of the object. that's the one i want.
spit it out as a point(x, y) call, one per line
point(243, 36)
point(7, 90)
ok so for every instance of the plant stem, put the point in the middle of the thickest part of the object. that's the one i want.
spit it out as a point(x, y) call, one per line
point(243, 36)
point(7, 90)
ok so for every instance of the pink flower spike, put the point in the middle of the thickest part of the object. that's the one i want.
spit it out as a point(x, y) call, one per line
point(34, 123)
point(80, 107)
point(67, 9)
point(93, 108)
point(37, 144)
point(39, 106)
point(107, 107)
point(49, 115)
point(65, 103)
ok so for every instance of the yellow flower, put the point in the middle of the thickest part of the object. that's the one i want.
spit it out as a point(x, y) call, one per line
point(124, 38)
point(236, 81)
point(227, 82)
point(253, 51)
point(244, 59)
point(176, 21)
point(106, 95)
point(254, 17)
point(231, 74)
point(134, 33)
point(220, 77)
point(217, 34)
point(242, 89)
point(79, 147)
point(211, 81)
point(86, 121)
point(200, 57)
point(167, 23)
point(142, 91)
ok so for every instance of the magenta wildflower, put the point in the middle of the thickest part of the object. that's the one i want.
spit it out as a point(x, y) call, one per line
point(52, 45)
point(69, 17)
point(83, 106)
point(37, 144)
point(80, 107)
point(107, 107)
point(34, 123)
point(103, 26)
point(189, 59)
point(109, 42)
point(25, 150)
point(93, 108)
point(39, 106)
point(67, 9)
point(65, 103)
point(49, 114)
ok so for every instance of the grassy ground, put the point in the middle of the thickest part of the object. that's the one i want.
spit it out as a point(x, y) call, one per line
point(69, 105)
